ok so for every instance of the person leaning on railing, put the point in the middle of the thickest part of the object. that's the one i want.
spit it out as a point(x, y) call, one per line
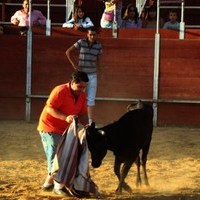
point(21, 18)
point(79, 20)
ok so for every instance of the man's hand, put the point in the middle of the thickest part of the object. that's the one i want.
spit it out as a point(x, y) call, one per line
point(69, 118)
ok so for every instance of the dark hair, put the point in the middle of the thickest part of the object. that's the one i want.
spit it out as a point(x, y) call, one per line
point(79, 76)
point(128, 8)
point(76, 17)
point(173, 11)
point(92, 28)
point(152, 8)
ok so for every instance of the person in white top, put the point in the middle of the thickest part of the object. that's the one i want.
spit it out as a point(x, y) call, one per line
point(79, 20)
point(21, 17)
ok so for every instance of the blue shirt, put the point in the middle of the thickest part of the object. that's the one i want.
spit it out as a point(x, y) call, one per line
point(169, 25)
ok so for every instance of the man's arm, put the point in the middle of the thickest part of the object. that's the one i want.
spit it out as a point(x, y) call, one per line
point(59, 115)
point(69, 54)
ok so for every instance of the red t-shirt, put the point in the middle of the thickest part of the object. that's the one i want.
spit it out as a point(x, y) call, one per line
point(62, 99)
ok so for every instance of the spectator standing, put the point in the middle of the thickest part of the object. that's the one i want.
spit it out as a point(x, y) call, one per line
point(108, 14)
point(150, 20)
point(21, 17)
point(172, 23)
point(79, 20)
point(131, 18)
point(90, 51)
point(64, 103)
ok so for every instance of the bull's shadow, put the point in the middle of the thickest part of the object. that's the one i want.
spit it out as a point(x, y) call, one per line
point(125, 138)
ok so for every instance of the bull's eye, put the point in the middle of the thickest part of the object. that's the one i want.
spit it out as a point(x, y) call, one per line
point(102, 132)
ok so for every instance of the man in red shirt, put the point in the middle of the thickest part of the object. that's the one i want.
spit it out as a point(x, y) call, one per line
point(65, 102)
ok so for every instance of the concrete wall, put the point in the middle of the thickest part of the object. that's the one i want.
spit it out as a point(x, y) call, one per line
point(127, 73)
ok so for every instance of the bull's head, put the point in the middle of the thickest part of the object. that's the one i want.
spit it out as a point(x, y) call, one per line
point(96, 140)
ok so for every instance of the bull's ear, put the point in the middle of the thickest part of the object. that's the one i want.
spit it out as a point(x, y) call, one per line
point(101, 132)
point(92, 125)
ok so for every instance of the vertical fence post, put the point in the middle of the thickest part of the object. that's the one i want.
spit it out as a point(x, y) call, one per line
point(156, 66)
point(28, 66)
point(69, 4)
point(48, 21)
point(182, 23)
point(115, 25)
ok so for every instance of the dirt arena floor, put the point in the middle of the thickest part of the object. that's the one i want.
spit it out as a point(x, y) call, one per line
point(173, 166)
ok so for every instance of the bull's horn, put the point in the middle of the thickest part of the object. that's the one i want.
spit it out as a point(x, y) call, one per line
point(102, 132)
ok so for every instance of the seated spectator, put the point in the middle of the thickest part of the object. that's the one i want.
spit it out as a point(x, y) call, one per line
point(131, 18)
point(172, 23)
point(79, 20)
point(109, 11)
point(21, 17)
point(1, 30)
point(150, 20)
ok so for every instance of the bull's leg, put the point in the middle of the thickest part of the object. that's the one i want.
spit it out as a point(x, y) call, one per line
point(145, 174)
point(117, 167)
point(126, 187)
point(145, 152)
point(138, 177)
point(125, 169)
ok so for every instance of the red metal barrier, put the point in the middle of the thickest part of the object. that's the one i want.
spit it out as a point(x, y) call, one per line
point(127, 73)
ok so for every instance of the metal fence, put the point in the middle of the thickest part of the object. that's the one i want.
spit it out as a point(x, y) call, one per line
point(66, 8)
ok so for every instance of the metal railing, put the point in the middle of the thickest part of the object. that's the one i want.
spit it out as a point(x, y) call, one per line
point(185, 8)
point(139, 7)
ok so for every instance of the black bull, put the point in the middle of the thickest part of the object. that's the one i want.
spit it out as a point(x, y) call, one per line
point(125, 138)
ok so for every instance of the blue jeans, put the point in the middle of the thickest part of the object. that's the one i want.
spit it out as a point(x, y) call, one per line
point(91, 89)
point(50, 142)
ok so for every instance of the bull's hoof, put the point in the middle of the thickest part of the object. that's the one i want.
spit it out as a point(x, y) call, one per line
point(138, 183)
point(118, 190)
point(127, 188)
point(79, 194)
point(147, 184)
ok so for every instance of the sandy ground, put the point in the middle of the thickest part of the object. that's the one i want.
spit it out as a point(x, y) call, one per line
point(173, 166)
